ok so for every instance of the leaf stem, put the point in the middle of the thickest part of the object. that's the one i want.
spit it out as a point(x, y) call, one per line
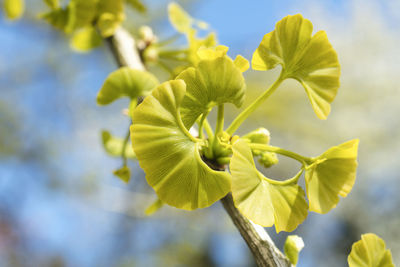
point(304, 160)
point(201, 123)
point(250, 109)
point(124, 144)
point(208, 129)
point(183, 128)
point(220, 120)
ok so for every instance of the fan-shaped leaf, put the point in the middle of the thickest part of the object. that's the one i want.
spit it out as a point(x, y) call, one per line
point(331, 175)
point(370, 251)
point(170, 156)
point(58, 18)
point(14, 8)
point(211, 83)
point(259, 199)
point(86, 39)
point(309, 59)
point(80, 14)
point(126, 82)
point(123, 173)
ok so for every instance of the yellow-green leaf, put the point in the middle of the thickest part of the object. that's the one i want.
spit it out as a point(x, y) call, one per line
point(170, 156)
point(264, 201)
point(179, 18)
point(211, 83)
point(114, 146)
point(108, 23)
point(242, 63)
point(58, 18)
point(126, 82)
point(52, 3)
point(195, 43)
point(309, 59)
point(14, 9)
point(81, 13)
point(331, 175)
point(123, 173)
point(85, 40)
point(154, 207)
point(138, 5)
point(370, 251)
point(293, 245)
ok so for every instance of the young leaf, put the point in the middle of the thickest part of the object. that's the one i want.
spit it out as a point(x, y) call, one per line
point(123, 173)
point(179, 18)
point(309, 59)
point(126, 82)
point(370, 251)
point(14, 8)
point(80, 14)
point(114, 145)
point(86, 39)
point(170, 156)
point(293, 245)
point(108, 23)
point(261, 200)
point(138, 5)
point(53, 4)
point(211, 83)
point(58, 18)
point(331, 175)
point(242, 63)
point(195, 43)
point(154, 207)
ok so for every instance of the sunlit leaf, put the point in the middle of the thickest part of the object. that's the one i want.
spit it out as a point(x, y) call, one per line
point(58, 18)
point(126, 82)
point(154, 207)
point(211, 83)
point(86, 39)
point(138, 5)
point(107, 24)
point(309, 59)
point(370, 251)
point(293, 245)
point(331, 175)
point(114, 146)
point(262, 200)
point(208, 53)
point(14, 9)
point(195, 43)
point(115, 7)
point(123, 173)
point(242, 63)
point(80, 14)
point(170, 156)
point(52, 3)
point(179, 18)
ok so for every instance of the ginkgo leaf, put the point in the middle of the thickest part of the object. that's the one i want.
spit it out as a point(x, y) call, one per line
point(80, 14)
point(179, 18)
point(293, 245)
point(86, 39)
point(331, 175)
point(58, 18)
point(14, 8)
point(52, 3)
point(138, 5)
point(195, 43)
point(211, 83)
point(114, 146)
point(309, 59)
point(126, 82)
point(370, 251)
point(108, 23)
point(262, 200)
point(242, 63)
point(123, 173)
point(170, 156)
point(154, 207)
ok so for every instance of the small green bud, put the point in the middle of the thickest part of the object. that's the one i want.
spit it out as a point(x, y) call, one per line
point(258, 136)
point(267, 159)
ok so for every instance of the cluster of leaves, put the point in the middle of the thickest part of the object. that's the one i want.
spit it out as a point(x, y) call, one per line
point(193, 169)
point(89, 21)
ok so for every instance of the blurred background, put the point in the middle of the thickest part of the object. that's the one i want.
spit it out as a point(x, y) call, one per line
point(60, 204)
